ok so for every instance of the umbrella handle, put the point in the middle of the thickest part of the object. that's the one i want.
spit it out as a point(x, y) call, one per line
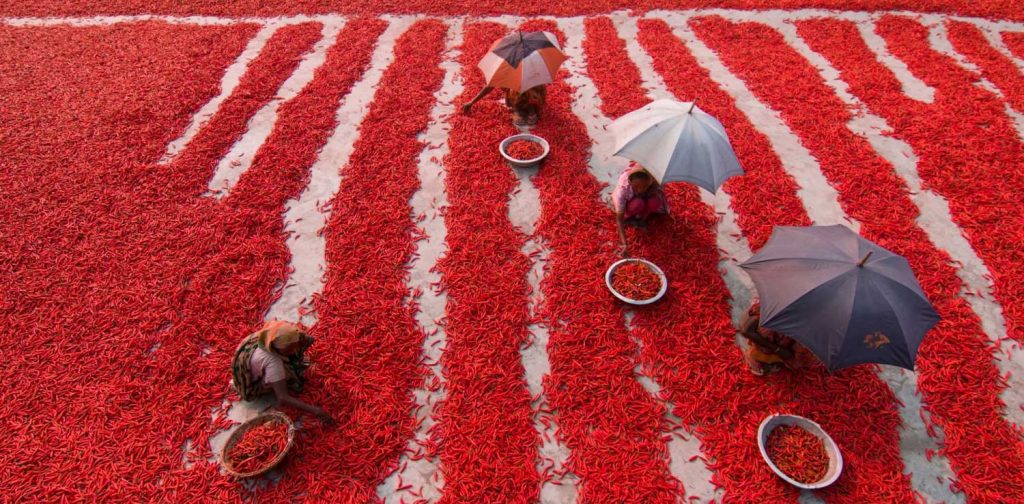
point(692, 104)
point(865, 259)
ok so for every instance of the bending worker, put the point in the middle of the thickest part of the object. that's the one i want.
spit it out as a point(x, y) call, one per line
point(525, 106)
point(766, 351)
point(637, 198)
point(272, 360)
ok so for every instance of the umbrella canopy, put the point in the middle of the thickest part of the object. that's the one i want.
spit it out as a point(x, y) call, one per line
point(845, 298)
point(522, 60)
point(677, 141)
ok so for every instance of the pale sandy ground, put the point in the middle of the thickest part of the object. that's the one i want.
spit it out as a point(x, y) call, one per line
point(305, 215)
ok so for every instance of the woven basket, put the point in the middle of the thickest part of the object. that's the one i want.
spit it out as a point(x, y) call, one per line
point(241, 430)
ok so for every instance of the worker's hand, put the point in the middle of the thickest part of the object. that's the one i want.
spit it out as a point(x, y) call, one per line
point(323, 416)
point(623, 250)
point(465, 108)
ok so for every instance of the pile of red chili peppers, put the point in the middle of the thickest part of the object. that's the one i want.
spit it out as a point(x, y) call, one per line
point(524, 150)
point(708, 361)
point(485, 424)
point(798, 453)
point(259, 446)
point(1015, 42)
point(956, 375)
point(118, 265)
point(983, 8)
point(615, 427)
point(636, 280)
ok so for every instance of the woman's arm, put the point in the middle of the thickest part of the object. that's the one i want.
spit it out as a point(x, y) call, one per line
point(483, 92)
point(283, 397)
point(620, 220)
point(760, 341)
point(749, 330)
point(541, 98)
point(663, 198)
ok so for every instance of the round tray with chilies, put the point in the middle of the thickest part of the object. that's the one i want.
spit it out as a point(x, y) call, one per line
point(524, 163)
point(609, 278)
point(835, 458)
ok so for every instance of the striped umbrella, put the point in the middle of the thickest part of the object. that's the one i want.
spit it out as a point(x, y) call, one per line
point(522, 60)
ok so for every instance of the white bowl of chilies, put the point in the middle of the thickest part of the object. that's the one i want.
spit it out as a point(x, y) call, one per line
point(799, 451)
point(636, 281)
point(524, 150)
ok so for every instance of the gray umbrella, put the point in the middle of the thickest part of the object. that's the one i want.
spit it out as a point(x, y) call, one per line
point(846, 299)
point(677, 141)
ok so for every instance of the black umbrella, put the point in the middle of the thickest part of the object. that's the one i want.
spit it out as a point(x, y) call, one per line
point(849, 301)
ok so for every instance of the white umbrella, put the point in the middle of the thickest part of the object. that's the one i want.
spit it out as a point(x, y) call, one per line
point(677, 141)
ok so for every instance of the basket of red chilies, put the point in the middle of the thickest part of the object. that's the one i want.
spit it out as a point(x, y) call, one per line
point(636, 281)
point(258, 445)
point(524, 150)
point(799, 451)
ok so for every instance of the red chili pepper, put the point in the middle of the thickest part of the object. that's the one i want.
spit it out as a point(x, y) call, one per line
point(978, 439)
point(98, 236)
point(1015, 42)
point(728, 426)
point(636, 280)
point(798, 453)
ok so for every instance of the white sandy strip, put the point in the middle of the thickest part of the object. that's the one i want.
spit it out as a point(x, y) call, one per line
point(913, 87)
point(914, 434)
point(938, 37)
point(814, 189)
point(937, 222)
point(559, 487)
point(422, 472)
point(733, 248)
point(228, 83)
point(239, 159)
point(586, 105)
point(936, 219)
point(978, 290)
point(994, 35)
point(730, 240)
point(306, 246)
point(606, 167)
point(305, 216)
point(682, 444)
point(926, 477)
